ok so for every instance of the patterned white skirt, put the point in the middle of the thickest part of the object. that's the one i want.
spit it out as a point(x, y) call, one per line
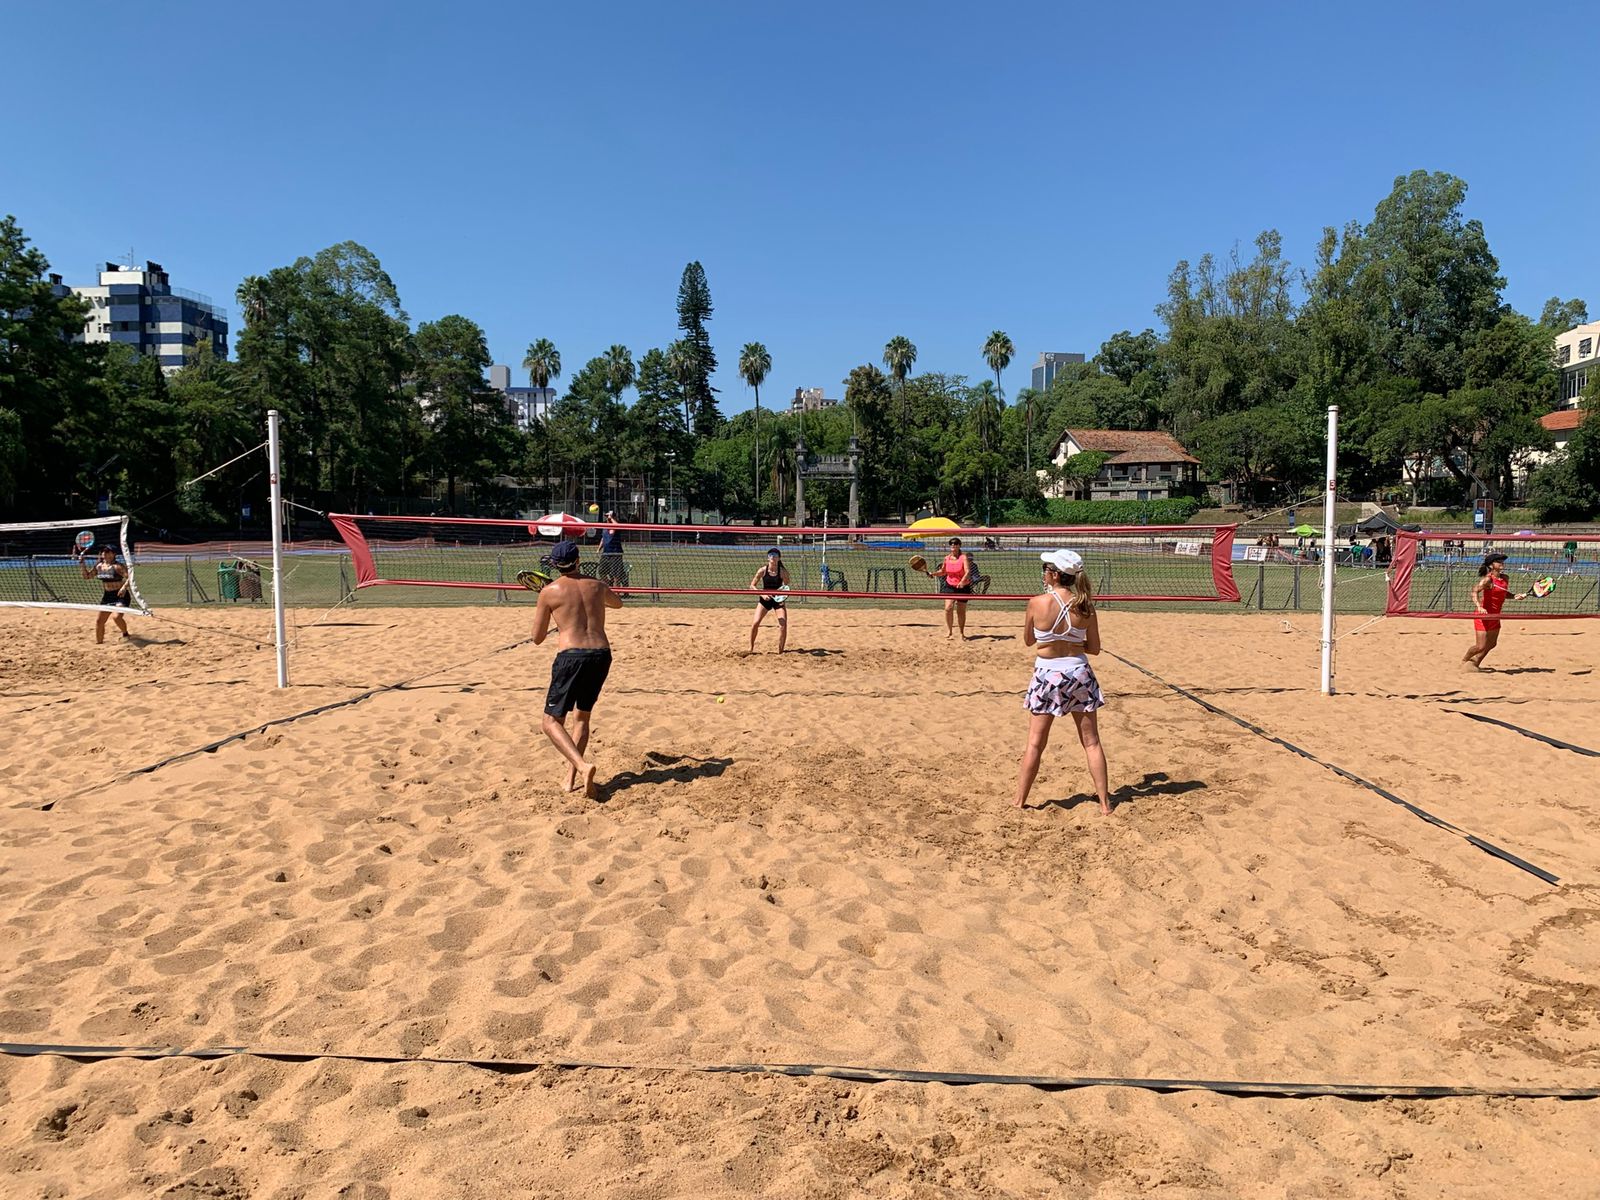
point(1061, 686)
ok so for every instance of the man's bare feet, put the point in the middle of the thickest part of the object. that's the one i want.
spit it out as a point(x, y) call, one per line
point(572, 779)
point(589, 790)
point(1105, 808)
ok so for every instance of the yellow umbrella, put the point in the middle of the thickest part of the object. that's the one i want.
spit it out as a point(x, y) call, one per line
point(916, 530)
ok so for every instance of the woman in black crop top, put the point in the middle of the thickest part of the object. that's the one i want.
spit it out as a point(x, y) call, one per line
point(771, 581)
point(113, 577)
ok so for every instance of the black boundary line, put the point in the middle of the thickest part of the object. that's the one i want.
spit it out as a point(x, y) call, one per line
point(1439, 822)
point(1527, 733)
point(1049, 1083)
point(212, 747)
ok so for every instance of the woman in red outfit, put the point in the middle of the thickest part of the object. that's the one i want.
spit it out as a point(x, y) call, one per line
point(1491, 591)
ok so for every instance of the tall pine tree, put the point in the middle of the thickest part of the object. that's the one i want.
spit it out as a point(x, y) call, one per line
point(694, 310)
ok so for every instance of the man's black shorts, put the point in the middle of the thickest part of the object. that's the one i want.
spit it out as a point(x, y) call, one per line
point(576, 678)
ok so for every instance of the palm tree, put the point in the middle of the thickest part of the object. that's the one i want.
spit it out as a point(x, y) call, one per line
point(899, 355)
point(252, 297)
point(543, 363)
point(986, 415)
point(620, 372)
point(755, 364)
point(680, 361)
point(998, 353)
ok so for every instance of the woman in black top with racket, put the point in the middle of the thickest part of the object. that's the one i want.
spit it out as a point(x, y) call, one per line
point(113, 577)
point(772, 582)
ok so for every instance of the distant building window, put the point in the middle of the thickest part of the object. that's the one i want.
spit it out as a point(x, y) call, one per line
point(1585, 347)
point(1563, 354)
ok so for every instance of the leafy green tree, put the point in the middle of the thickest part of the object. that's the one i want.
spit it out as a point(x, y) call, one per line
point(46, 385)
point(1259, 448)
point(470, 429)
point(869, 398)
point(1137, 360)
point(1427, 279)
point(1561, 315)
point(755, 364)
point(698, 359)
point(327, 343)
point(656, 426)
point(213, 423)
point(1568, 489)
point(1232, 339)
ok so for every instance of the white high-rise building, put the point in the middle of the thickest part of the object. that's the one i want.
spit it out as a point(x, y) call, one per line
point(140, 308)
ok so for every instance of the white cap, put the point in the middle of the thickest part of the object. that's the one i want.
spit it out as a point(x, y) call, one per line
point(1065, 561)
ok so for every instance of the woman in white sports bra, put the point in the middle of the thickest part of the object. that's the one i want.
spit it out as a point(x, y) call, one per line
point(1062, 628)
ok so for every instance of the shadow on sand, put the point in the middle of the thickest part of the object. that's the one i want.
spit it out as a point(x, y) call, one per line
point(669, 768)
point(1155, 783)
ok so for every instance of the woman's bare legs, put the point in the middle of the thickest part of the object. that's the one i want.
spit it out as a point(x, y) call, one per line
point(1484, 641)
point(1038, 739)
point(1089, 735)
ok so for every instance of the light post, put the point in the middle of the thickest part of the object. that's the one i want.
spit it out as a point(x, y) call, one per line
point(671, 457)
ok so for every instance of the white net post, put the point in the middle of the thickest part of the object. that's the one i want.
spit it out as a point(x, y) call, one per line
point(277, 548)
point(1328, 549)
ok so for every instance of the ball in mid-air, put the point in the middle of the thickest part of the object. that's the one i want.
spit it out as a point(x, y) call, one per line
point(594, 509)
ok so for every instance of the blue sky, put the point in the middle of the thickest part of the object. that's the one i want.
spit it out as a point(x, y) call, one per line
point(845, 171)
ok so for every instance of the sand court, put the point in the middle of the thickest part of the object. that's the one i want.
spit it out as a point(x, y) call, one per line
point(810, 859)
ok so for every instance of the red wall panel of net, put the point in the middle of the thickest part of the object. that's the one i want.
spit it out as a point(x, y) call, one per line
point(1136, 563)
point(1433, 574)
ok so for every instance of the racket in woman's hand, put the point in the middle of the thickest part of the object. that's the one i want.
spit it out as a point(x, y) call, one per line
point(918, 563)
point(82, 543)
point(1542, 587)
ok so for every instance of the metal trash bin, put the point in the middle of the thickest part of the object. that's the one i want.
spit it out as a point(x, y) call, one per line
point(227, 581)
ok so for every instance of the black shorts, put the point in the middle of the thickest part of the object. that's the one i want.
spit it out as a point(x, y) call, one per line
point(949, 589)
point(771, 605)
point(120, 599)
point(576, 678)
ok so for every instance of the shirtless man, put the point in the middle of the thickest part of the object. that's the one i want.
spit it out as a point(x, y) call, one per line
point(576, 608)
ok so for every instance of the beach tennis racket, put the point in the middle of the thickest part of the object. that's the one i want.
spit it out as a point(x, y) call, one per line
point(1542, 587)
point(918, 563)
point(781, 596)
point(82, 543)
point(534, 580)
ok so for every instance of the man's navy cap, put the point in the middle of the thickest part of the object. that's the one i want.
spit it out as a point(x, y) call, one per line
point(564, 554)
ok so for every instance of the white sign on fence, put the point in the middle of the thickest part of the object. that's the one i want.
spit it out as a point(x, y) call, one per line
point(1190, 548)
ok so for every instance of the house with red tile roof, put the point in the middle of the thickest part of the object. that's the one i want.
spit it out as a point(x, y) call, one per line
point(1141, 464)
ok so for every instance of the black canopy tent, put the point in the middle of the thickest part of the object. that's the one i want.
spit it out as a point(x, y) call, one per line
point(1382, 522)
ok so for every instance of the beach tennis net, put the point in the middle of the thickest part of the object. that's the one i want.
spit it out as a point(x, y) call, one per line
point(1137, 563)
point(55, 564)
point(1433, 574)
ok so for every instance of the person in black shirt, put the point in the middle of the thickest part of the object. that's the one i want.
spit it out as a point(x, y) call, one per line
point(771, 582)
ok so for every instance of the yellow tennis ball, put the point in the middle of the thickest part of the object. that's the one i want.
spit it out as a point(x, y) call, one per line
point(722, 699)
point(593, 509)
